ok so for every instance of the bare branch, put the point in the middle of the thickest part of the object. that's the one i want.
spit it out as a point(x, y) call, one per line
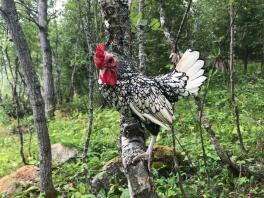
point(181, 26)
point(31, 12)
point(53, 15)
point(27, 7)
point(29, 18)
point(232, 83)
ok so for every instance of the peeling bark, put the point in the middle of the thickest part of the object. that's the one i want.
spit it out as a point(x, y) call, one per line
point(116, 15)
point(113, 169)
point(141, 37)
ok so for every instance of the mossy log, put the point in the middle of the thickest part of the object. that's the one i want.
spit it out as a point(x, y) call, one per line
point(113, 170)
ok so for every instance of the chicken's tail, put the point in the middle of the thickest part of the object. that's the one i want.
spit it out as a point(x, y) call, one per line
point(192, 66)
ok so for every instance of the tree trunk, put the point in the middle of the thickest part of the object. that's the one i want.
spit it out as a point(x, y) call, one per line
point(57, 79)
point(232, 86)
point(48, 84)
point(117, 20)
point(141, 37)
point(15, 95)
point(10, 16)
point(87, 27)
point(133, 143)
point(262, 61)
point(72, 87)
point(167, 33)
point(245, 60)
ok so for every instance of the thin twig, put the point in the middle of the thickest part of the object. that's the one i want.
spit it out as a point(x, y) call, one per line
point(176, 162)
point(181, 25)
point(186, 153)
point(232, 83)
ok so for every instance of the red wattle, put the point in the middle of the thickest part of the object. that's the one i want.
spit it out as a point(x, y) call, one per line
point(109, 77)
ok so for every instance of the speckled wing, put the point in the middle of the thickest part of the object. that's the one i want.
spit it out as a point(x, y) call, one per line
point(172, 85)
point(149, 104)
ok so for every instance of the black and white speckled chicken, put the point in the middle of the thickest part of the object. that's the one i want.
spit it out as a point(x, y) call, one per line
point(149, 99)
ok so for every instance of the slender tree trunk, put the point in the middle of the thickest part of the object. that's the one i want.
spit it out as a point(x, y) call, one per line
point(141, 37)
point(245, 60)
point(57, 80)
point(167, 33)
point(10, 16)
point(16, 96)
point(88, 37)
point(219, 150)
point(132, 135)
point(48, 84)
point(72, 87)
point(262, 61)
point(232, 85)
point(13, 84)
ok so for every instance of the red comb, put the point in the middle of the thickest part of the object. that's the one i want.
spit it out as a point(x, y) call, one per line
point(99, 55)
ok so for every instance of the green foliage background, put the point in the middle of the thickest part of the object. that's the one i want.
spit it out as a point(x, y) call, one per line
point(207, 31)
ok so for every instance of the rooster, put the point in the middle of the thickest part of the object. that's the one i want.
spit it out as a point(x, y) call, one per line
point(149, 99)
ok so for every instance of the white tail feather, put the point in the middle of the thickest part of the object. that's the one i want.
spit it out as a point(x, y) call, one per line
point(192, 66)
point(195, 68)
point(199, 73)
point(188, 60)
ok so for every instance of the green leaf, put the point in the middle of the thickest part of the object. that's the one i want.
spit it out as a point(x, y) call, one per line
point(155, 24)
point(125, 194)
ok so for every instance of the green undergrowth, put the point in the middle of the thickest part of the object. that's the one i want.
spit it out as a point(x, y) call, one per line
point(70, 128)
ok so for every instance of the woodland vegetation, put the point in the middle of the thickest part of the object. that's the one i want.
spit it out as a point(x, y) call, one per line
point(49, 94)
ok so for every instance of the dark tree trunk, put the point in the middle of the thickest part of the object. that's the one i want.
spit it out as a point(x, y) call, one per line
point(10, 16)
point(48, 84)
point(15, 94)
point(262, 61)
point(87, 27)
point(18, 108)
point(116, 15)
point(232, 84)
point(245, 60)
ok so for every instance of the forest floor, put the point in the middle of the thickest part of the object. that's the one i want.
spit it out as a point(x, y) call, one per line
point(70, 124)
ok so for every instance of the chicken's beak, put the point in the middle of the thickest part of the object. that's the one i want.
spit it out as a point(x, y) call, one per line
point(102, 71)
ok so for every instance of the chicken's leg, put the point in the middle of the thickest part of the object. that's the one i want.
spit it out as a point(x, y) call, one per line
point(148, 154)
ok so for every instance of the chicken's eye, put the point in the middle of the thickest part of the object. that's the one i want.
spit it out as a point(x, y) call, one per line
point(110, 60)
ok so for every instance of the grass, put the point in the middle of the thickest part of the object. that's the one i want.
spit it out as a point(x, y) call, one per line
point(70, 129)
